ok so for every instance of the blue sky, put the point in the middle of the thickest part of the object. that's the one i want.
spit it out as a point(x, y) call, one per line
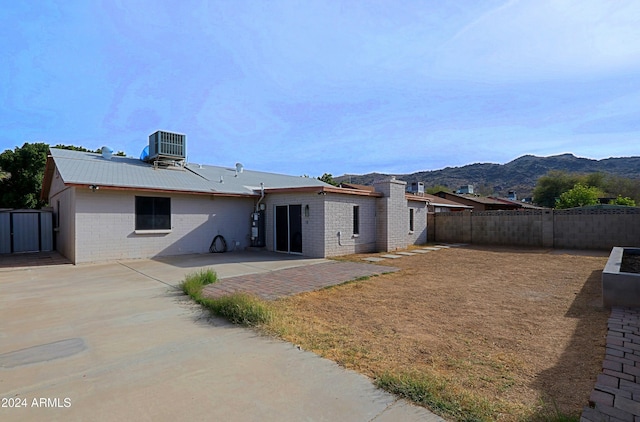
point(307, 87)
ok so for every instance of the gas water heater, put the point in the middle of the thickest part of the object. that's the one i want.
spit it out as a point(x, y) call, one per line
point(258, 229)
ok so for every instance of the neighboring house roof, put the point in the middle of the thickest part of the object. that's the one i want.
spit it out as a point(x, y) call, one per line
point(437, 201)
point(519, 204)
point(481, 202)
point(356, 186)
point(84, 168)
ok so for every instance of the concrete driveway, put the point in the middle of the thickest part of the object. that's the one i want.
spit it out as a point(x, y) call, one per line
point(115, 341)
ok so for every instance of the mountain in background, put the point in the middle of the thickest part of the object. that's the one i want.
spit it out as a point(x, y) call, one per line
point(519, 175)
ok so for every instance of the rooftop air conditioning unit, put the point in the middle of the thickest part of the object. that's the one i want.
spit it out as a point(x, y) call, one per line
point(417, 187)
point(167, 145)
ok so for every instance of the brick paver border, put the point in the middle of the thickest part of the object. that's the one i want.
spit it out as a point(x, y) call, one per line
point(290, 281)
point(616, 396)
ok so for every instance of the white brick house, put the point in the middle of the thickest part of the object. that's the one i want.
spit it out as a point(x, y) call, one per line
point(121, 207)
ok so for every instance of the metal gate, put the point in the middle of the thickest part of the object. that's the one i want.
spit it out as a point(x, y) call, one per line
point(26, 231)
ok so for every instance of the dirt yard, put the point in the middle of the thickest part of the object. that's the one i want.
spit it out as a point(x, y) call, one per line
point(520, 327)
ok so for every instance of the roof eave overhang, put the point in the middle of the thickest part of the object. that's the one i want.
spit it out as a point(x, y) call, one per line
point(324, 189)
point(464, 207)
point(181, 191)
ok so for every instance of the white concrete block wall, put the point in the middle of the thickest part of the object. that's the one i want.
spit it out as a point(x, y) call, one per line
point(63, 216)
point(105, 225)
point(419, 234)
point(102, 224)
point(328, 215)
point(339, 218)
point(392, 215)
point(312, 226)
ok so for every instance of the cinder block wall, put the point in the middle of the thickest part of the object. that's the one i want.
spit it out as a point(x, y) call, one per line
point(62, 201)
point(392, 215)
point(507, 228)
point(105, 225)
point(339, 219)
point(312, 226)
point(449, 227)
point(431, 227)
point(596, 228)
point(419, 234)
point(570, 229)
point(328, 215)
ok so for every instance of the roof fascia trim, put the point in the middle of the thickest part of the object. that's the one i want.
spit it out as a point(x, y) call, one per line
point(49, 169)
point(187, 192)
point(325, 189)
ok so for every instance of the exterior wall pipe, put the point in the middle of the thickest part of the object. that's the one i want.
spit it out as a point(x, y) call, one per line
point(261, 196)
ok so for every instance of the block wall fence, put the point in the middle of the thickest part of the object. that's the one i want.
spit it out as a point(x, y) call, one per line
point(562, 229)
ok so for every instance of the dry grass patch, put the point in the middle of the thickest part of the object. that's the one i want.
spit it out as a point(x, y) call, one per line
point(509, 334)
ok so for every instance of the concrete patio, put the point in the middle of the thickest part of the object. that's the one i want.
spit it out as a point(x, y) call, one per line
point(117, 341)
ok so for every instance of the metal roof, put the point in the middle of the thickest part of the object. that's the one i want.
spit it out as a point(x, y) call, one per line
point(85, 168)
point(229, 180)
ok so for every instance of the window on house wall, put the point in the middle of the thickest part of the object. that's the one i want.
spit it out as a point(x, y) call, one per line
point(153, 213)
point(411, 219)
point(356, 219)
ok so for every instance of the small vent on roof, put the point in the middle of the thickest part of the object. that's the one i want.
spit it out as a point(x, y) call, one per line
point(107, 153)
point(239, 168)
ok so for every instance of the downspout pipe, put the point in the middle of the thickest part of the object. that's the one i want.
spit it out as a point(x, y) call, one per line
point(261, 196)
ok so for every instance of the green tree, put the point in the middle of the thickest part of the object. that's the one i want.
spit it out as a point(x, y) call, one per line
point(83, 149)
point(597, 179)
point(25, 168)
point(22, 173)
point(579, 196)
point(75, 148)
point(622, 186)
point(550, 186)
point(483, 189)
point(328, 178)
point(437, 188)
point(626, 201)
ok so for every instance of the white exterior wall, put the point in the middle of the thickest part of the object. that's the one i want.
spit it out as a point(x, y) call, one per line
point(64, 217)
point(312, 226)
point(339, 218)
point(105, 225)
point(100, 225)
point(328, 215)
point(419, 234)
point(392, 215)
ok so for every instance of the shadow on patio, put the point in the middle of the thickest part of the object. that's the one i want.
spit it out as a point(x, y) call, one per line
point(33, 259)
